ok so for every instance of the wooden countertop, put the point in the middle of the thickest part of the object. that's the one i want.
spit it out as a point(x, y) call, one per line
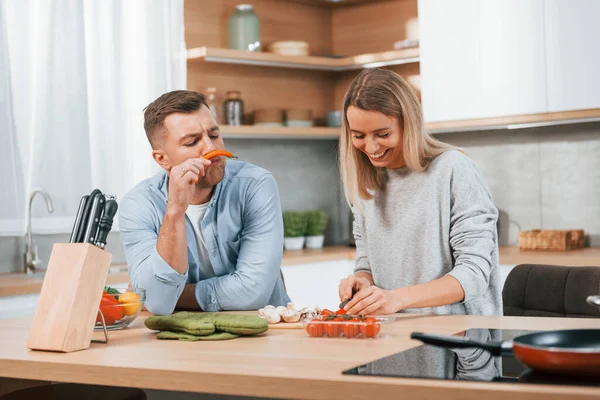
point(16, 284)
point(279, 363)
point(584, 257)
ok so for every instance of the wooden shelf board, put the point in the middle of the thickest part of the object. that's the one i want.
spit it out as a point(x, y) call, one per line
point(516, 121)
point(336, 3)
point(510, 122)
point(251, 131)
point(393, 57)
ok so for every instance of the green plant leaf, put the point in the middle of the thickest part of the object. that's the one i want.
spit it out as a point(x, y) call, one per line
point(294, 223)
point(316, 222)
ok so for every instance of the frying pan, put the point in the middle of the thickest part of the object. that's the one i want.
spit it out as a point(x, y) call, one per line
point(570, 352)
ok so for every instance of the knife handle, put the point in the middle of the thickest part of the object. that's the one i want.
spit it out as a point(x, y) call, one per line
point(80, 238)
point(94, 219)
point(110, 209)
point(78, 219)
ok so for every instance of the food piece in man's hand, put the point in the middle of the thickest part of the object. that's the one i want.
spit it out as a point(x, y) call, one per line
point(217, 153)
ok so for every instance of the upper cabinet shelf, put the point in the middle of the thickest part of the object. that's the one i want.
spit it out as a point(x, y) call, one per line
point(394, 57)
point(284, 132)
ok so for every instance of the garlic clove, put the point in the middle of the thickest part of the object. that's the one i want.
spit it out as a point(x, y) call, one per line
point(290, 306)
point(261, 312)
point(269, 307)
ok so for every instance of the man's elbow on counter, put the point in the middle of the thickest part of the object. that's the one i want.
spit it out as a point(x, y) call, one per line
point(158, 306)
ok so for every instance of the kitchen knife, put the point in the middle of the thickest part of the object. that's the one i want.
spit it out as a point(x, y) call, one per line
point(110, 209)
point(85, 216)
point(343, 303)
point(94, 219)
point(78, 219)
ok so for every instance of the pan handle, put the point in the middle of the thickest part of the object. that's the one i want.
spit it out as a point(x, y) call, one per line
point(593, 300)
point(495, 348)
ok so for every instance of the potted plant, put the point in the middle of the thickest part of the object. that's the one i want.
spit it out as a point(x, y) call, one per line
point(294, 228)
point(315, 227)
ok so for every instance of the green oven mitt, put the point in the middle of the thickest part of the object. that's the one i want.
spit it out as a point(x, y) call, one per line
point(240, 324)
point(185, 322)
point(203, 324)
point(193, 338)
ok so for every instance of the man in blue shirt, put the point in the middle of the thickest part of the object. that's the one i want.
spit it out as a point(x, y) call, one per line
point(202, 234)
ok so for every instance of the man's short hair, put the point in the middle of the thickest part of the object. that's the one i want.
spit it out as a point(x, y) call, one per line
point(183, 101)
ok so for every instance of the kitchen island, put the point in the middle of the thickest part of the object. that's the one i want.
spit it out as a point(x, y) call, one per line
point(281, 363)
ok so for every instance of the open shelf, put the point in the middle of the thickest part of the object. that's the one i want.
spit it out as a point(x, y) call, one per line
point(284, 132)
point(510, 122)
point(387, 58)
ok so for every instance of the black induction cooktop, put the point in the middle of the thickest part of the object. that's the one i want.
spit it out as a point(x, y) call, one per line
point(431, 362)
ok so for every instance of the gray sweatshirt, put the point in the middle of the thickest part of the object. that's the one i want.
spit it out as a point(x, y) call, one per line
point(425, 225)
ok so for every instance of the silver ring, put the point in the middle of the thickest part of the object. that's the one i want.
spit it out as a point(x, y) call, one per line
point(183, 169)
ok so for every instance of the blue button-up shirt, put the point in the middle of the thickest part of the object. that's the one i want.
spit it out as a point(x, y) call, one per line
point(243, 232)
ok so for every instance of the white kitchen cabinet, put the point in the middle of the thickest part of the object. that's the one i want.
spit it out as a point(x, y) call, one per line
point(316, 284)
point(481, 59)
point(572, 54)
point(504, 271)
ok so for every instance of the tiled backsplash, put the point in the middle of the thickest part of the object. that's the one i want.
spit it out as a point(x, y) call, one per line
point(307, 176)
point(547, 177)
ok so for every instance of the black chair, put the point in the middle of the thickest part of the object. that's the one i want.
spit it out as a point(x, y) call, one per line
point(551, 291)
point(72, 391)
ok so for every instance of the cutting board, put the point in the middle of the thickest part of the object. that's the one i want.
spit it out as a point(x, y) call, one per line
point(286, 325)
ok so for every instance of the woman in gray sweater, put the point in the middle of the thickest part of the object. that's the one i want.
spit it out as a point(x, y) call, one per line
point(424, 219)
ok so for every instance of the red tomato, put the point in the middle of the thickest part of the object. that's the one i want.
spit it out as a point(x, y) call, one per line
point(370, 327)
point(314, 329)
point(110, 308)
point(326, 312)
point(332, 328)
point(351, 329)
point(341, 311)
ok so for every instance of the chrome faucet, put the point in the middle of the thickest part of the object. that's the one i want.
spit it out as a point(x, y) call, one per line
point(32, 262)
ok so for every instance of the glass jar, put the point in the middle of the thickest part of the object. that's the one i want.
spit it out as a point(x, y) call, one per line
point(211, 101)
point(244, 29)
point(234, 108)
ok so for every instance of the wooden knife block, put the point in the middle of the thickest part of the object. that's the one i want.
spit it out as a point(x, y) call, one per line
point(66, 313)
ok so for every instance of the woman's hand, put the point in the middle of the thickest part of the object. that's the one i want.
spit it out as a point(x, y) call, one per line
point(374, 300)
point(352, 284)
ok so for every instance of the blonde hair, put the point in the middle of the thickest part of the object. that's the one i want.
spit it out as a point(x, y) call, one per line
point(386, 92)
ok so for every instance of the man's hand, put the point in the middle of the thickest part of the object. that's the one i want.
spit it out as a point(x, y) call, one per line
point(182, 182)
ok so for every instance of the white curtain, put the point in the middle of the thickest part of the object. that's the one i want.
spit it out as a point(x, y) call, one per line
point(79, 73)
